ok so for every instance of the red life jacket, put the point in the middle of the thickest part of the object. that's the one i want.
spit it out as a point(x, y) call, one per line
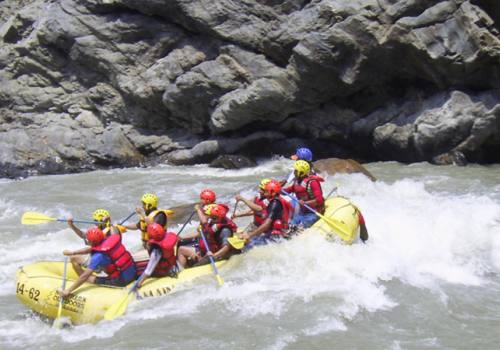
point(168, 258)
point(212, 230)
point(279, 226)
point(304, 192)
point(260, 216)
point(120, 257)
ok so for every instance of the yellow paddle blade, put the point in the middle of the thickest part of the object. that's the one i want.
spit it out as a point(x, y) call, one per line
point(119, 308)
point(219, 280)
point(32, 218)
point(169, 212)
point(236, 242)
point(338, 228)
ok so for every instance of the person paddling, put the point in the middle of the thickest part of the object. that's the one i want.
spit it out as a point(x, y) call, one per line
point(104, 218)
point(307, 189)
point(258, 207)
point(217, 228)
point(148, 214)
point(302, 153)
point(162, 249)
point(207, 196)
point(108, 254)
point(275, 225)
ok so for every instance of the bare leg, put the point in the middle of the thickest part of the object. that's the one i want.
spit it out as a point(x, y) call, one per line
point(77, 262)
point(184, 253)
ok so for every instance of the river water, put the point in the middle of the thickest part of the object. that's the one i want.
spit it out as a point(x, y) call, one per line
point(428, 278)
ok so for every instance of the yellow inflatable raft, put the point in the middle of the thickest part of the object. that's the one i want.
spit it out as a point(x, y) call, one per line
point(36, 286)
point(344, 222)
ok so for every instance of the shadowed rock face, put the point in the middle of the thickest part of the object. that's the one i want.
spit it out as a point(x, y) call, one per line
point(86, 84)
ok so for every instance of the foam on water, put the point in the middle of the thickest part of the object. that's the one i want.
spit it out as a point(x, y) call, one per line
point(419, 236)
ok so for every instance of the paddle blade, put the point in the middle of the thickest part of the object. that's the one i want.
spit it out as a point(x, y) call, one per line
point(32, 218)
point(119, 308)
point(219, 280)
point(169, 212)
point(236, 242)
point(339, 229)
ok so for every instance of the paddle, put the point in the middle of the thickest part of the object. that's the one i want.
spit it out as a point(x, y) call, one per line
point(128, 217)
point(187, 221)
point(32, 218)
point(57, 321)
point(119, 308)
point(333, 223)
point(236, 242)
point(212, 261)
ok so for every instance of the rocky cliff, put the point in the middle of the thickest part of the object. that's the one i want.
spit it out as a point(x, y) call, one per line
point(86, 84)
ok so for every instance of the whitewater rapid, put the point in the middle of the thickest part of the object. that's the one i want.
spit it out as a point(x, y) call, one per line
point(428, 277)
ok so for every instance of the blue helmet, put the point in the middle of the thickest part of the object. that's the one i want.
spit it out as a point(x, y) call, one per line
point(304, 154)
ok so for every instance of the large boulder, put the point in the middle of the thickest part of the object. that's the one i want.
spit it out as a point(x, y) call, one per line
point(333, 166)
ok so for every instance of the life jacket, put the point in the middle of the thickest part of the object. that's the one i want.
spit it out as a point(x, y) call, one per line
point(168, 246)
point(120, 257)
point(212, 230)
point(304, 192)
point(143, 226)
point(260, 216)
point(279, 226)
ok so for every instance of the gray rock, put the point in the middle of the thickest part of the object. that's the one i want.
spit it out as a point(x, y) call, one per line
point(94, 83)
point(232, 161)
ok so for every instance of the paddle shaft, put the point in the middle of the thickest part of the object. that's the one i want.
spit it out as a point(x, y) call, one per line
point(185, 224)
point(128, 217)
point(211, 258)
point(61, 299)
point(306, 206)
point(330, 221)
point(80, 221)
point(331, 192)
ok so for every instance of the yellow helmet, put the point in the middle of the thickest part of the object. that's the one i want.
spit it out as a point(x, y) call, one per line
point(208, 209)
point(302, 168)
point(100, 215)
point(150, 200)
point(263, 183)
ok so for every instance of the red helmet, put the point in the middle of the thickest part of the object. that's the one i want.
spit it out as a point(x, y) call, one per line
point(208, 196)
point(218, 211)
point(278, 225)
point(156, 232)
point(95, 236)
point(273, 187)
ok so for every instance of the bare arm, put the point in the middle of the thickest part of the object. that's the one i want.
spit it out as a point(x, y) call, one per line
point(75, 229)
point(131, 226)
point(246, 213)
point(251, 204)
point(266, 225)
point(86, 250)
point(81, 280)
point(201, 215)
point(154, 259)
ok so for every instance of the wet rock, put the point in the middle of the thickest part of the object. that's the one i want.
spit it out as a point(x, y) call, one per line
point(112, 80)
point(232, 161)
point(208, 150)
point(450, 158)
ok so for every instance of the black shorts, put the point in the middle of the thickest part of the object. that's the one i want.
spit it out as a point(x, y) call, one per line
point(111, 281)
